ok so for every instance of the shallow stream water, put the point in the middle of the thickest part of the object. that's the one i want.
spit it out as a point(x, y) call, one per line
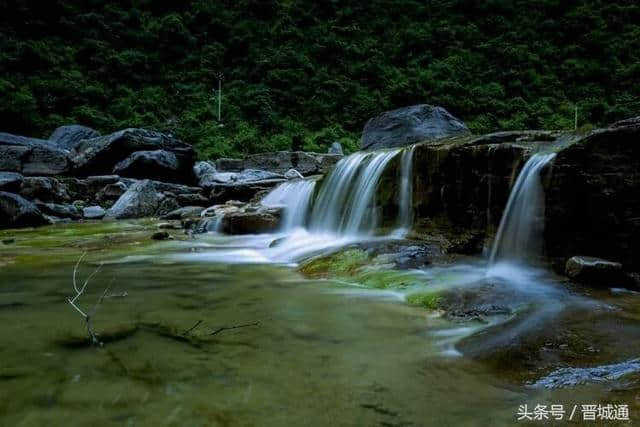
point(298, 351)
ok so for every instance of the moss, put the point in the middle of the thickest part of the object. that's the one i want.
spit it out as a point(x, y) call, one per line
point(430, 300)
point(385, 279)
point(340, 263)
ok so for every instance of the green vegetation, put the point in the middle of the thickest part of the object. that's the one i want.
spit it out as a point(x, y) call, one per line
point(314, 69)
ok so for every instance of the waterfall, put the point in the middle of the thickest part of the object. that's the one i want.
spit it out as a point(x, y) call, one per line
point(520, 232)
point(346, 201)
point(295, 196)
point(405, 199)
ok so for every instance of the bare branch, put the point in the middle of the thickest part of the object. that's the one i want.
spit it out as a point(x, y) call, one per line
point(226, 328)
point(192, 328)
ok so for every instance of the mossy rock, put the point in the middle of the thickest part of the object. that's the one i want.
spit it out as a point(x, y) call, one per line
point(430, 300)
point(342, 263)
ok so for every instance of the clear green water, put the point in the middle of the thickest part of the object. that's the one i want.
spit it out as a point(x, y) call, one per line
point(317, 357)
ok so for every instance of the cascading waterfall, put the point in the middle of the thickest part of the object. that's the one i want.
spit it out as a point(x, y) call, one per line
point(520, 231)
point(295, 196)
point(346, 201)
point(405, 200)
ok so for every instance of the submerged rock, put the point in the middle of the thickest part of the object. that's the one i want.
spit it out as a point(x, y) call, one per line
point(140, 200)
point(408, 125)
point(16, 211)
point(69, 136)
point(160, 235)
point(570, 377)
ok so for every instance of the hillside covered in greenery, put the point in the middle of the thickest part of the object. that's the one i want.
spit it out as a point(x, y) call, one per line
point(314, 69)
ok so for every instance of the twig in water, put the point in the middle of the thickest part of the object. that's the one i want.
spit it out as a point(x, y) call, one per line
point(192, 328)
point(225, 328)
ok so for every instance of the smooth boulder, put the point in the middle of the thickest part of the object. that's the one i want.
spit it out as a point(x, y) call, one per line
point(409, 125)
point(93, 212)
point(16, 211)
point(140, 200)
point(69, 136)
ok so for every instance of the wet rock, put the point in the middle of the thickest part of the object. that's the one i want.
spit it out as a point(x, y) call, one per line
point(408, 125)
point(243, 191)
point(93, 212)
point(159, 165)
point(59, 210)
point(281, 161)
point(32, 156)
point(46, 189)
point(570, 377)
point(594, 271)
point(16, 211)
point(10, 181)
point(160, 235)
point(336, 148)
point(99, 155)
point(112, 191)
point(69, 136)
point(592, 197)
point(185, 212)
point(229, 165)
point(293, 174)
point(140, 200)
point(261, 220)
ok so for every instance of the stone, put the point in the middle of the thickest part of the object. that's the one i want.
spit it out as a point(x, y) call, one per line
point(260, 220)
point(99, 155)
point(46, 189)
point(112, 191)
point(204, 173)
point(142, 199)
point(93, 212)
point(293, 174)
point(160, 235)
point(59, 210)
point(15, 211)
point(229, 165)
point(169, 204)
point(409, 125)
point(281, 161)
point(192, 199)
point(32, 156)
point(594, 271)
point(69, 136)
point(574, 376)
point(244, 191)
point(158, 165)
point(10, 181)
point(336, 148)
point(185, 212)
point(8, 241)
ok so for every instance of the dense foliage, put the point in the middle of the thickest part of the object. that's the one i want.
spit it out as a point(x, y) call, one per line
point(317, 69)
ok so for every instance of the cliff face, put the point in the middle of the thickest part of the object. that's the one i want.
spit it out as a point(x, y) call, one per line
point(592, 190)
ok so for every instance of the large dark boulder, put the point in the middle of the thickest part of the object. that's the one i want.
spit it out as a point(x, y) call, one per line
point(32, 156)
point(281, 161)
point(409, 125)
point(242, 191)
point(593, 197)
point(10, 181)
point(69, 136)
point(100, 155)
point(595, 271)
point(16, 211)
point(158, 165)
point(140, 200)
point(251, 219)
point(59, 210)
